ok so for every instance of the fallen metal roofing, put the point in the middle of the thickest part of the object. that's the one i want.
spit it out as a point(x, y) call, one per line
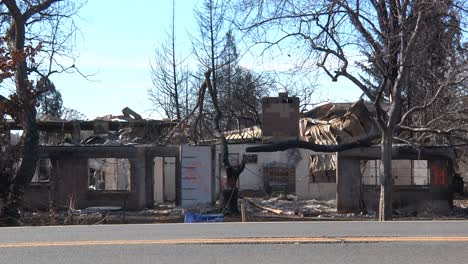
point(250, 133)
point(337, 126)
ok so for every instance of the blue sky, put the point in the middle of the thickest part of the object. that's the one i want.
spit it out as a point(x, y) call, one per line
point(116, 44)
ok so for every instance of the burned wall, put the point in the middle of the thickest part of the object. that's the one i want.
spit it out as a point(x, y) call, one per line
point(252, 178)
point(70, 177)
point(419, 176)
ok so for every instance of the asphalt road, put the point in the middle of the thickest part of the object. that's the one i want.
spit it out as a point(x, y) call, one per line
point(298, 242)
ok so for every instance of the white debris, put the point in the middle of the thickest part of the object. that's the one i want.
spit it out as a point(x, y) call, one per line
point(291, 205)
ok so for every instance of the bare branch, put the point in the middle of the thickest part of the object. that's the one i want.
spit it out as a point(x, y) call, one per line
point(201, 98)
point(285, 145)
point(433, 130)
point(39, 8)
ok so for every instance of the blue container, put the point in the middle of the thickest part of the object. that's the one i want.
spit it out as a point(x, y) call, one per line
point(203, 218)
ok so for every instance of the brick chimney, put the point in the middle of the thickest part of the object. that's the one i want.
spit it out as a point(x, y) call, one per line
point(280, 118)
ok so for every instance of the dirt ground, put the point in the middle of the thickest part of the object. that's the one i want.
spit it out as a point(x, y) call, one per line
point(279, 208)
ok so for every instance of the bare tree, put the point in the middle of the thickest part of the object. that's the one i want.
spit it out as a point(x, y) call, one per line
point(209, 43)
point(207, 46)
point(170, 77)
point(239, 89)
point(71, 114)
point(300, 83)
point(332, 34)
point(34, 37)
point(230, 194)
point(233, 99)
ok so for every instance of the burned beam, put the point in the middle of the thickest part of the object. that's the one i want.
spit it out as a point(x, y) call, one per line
point(87, 152)
point(69, 126)
point(290, 144)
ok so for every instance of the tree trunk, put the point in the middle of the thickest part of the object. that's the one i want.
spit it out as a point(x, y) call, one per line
point(27, 117)
point(29, 154)
point(232, 172)
point(231, 193)
point(386, 180)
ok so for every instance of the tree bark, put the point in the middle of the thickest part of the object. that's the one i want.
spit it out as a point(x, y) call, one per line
point(230, 194)
point(27, 115)
point(386, 181)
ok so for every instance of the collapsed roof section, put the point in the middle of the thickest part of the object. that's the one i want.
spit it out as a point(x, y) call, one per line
point(329, 124)
point(246, 134)
point(129, 128)
point(334, 124)
point(338, 123)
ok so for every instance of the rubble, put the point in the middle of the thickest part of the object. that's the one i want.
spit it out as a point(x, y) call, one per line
point(278, 208)
point(275, 211)
point(292, 205)
point(126, 129)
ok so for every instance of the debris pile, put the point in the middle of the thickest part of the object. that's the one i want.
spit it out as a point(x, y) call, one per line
point(114, 130)
point(103, 215)
point(291, 205)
